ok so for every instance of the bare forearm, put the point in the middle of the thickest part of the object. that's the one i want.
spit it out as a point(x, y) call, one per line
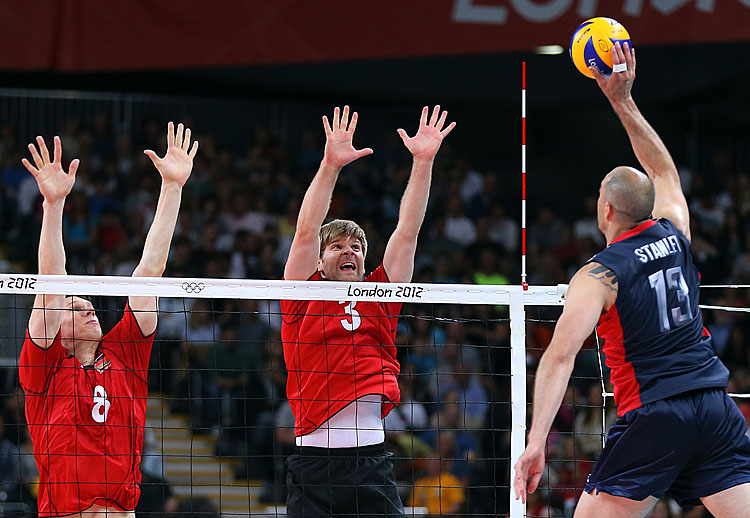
point(647, 145)
point(414, 202)
point(159, 238)
point(551, 380)
point(317, 199)
point(51, 248)
point(43, 323)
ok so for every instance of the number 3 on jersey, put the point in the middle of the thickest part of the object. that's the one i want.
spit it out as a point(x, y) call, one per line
point(101, 405)
point(671, 278)
point(352, 323)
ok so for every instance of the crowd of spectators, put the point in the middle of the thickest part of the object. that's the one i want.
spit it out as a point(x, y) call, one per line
point(221, 362)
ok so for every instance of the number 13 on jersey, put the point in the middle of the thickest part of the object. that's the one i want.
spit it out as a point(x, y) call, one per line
point(671, 279)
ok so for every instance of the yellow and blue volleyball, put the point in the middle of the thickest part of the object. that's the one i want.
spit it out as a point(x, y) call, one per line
point(592, 43)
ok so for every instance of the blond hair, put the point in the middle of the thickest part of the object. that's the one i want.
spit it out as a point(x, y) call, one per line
point(339, 228)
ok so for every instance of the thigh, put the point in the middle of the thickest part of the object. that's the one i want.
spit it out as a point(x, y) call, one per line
point(598, 505)
point(729, 503)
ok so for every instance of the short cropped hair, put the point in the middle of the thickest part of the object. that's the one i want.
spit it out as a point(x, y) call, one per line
point(631, 193)
point(339, 228)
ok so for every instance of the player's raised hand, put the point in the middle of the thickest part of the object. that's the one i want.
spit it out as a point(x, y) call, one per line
point(530, 464)
point(54, 183)
point(430, 135)
point(339, 148)
point(177, 164)
point(618, 85)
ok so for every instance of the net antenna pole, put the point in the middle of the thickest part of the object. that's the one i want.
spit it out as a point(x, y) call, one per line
point(523, 177)
point(518, 335)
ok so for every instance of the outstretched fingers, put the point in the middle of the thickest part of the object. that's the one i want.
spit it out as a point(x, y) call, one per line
point(57, 149)
point(35, 156)
point(336, 118)
point(193, 150)
point(43, 149)
point(170, 134)
point(435, 115)
point(326, 126)
point(345, 118)
point(178, 136)
point(186, 140)
point(30, 168)
point(423, 118)
point(441, 120)
point(449, 128)
point(353, 125)
point(153, 156)
point(363, 152)
point(74, 167)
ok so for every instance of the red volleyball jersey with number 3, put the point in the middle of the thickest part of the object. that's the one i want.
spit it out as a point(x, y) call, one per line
point(336, 352)
point(87, 424)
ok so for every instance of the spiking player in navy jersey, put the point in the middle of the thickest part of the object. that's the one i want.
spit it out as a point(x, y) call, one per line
point(678, 432)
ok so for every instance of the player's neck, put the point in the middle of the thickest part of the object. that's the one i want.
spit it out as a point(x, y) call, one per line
point(83, 350)
point(615, 230)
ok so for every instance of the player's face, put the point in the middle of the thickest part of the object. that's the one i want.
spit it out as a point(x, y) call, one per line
point(80, 323)
point(343, 259)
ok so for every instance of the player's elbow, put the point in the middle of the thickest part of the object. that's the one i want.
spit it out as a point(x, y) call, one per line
point(560, 356)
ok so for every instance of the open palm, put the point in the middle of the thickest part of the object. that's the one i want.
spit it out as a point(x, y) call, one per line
point(426, 143)
point(177, 164)
point(54, 183)
point(339, 149)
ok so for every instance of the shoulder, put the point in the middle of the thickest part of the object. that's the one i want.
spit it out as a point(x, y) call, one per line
point(127, 326)
point(599, 272)
point(594, 281)
point(378, 275)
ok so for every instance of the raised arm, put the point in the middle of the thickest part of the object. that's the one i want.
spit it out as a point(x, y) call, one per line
point(398, 260)
point(54, 185)
point(339, 151)
point(592, 289)
point(648, 147)
point(175, 169)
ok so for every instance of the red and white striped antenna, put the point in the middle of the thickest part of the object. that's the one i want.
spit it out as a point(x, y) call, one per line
point(523, 177)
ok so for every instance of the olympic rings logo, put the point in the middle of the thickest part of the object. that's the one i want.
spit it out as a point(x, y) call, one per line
point(193, 287)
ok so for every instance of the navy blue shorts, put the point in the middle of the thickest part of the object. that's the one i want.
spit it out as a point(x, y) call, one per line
point(691, 445)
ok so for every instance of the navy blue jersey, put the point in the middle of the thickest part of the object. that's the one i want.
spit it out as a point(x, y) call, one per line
point(654, 339)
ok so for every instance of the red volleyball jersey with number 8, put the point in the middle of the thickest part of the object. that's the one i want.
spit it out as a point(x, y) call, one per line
point(336, 352)
point(87, 424)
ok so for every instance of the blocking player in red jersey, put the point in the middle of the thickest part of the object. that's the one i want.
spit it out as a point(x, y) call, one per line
point(86, 393)
point(678, 431)
point(341, 357)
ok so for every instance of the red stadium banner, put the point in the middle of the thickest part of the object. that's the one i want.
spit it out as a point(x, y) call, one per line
point(95, 35)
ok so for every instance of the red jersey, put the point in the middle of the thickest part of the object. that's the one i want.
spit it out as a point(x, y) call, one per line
point(337, 352)
point(86, 424)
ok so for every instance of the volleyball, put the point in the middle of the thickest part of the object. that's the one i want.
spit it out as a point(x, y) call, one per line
point(591, 44)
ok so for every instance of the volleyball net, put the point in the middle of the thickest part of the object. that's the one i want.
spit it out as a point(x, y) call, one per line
point(219, 428)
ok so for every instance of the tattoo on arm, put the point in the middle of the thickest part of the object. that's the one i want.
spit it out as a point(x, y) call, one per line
point(605, 276)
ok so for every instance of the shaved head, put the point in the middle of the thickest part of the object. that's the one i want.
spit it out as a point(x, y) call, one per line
point(630, 193)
